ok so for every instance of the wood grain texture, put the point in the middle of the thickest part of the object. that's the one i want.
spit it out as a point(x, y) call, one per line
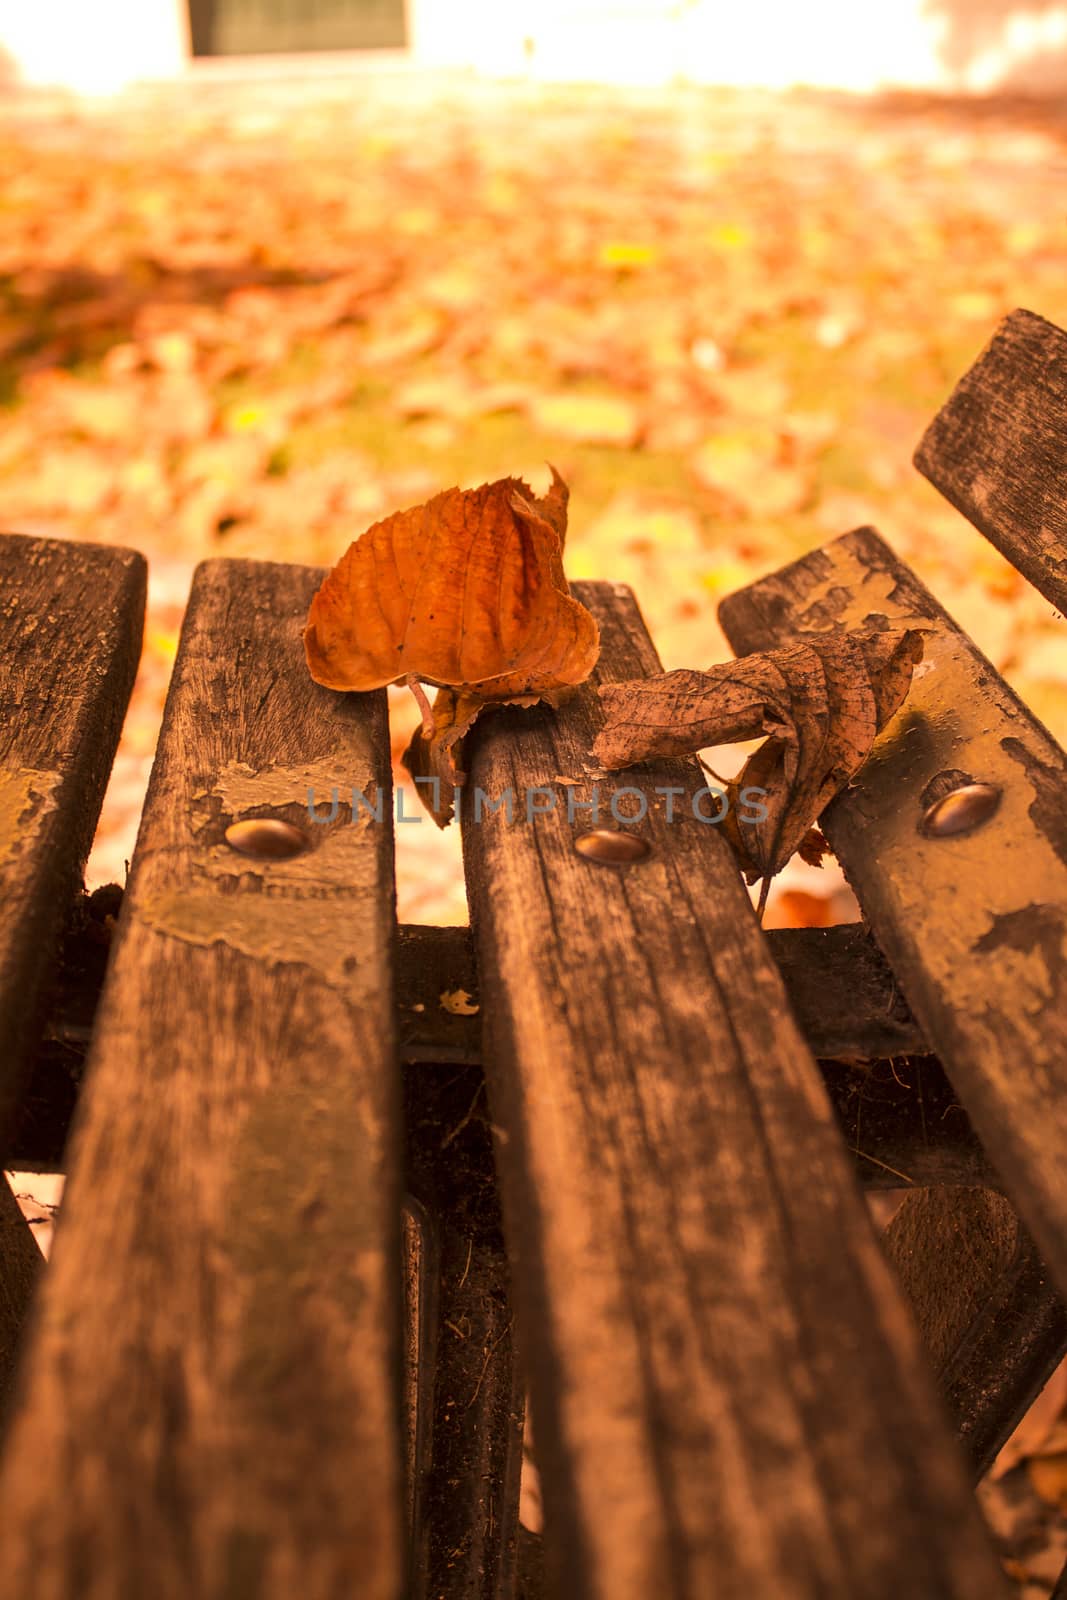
point(21, 1262)
point(997, 449)
point(727, 1395)
point(975, 925)
point(212, 1404)
point(993, 1326)
point(950, 1250)
point(843, 994)
point(899, 1114)
point(71, 617)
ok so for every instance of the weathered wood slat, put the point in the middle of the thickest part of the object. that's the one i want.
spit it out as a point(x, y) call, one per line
point(899, 1114)
point(20, 1270)
point(71, 617)
point(468, 1497)
point(843, 994)
point(728, 1397)
point(993, 1326)
point(974, 925)
point(997, 449)
point(212, 1407)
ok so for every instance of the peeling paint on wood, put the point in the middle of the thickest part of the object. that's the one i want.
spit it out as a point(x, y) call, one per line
point(26, 798)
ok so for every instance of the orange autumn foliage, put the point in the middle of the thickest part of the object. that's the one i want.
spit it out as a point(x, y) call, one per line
point(466, 592)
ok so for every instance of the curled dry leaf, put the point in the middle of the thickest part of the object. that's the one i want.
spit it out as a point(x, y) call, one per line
point(466, 592)
point(821, 700)
point(459, 1003)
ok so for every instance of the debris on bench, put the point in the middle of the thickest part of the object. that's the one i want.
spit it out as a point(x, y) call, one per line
point(819, 703)
point(466, 592)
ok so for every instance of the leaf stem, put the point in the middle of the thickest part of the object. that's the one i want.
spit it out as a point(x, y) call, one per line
point(421, 700)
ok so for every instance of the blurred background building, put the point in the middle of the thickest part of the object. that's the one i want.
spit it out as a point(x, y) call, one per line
point(969, 46)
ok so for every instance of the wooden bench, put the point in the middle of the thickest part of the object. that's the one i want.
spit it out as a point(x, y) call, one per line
point(285, 1340)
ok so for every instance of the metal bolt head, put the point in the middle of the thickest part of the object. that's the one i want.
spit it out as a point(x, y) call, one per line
point(611, 848)
point(267, 838)
point(960, 811)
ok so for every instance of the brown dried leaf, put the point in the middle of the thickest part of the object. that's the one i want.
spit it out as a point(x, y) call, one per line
point(466, 592)
point(813, 847)
point(459, 1003)
point(433, 761)
point(822, 700)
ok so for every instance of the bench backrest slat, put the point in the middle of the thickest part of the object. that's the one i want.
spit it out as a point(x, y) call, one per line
point(71, 617)
point(690, 1250)
point(997, 449)
point(214, 1379)
point(974, 925)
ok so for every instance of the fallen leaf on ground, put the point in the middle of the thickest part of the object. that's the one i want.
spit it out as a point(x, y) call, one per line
point(446, 395)
point(459, 1003)
point(1034, 1430)
point(797, 909)
point(587, 418)
point(746, 466)
point(753, 392)
point(466, 592)
point(822, 700)
point(1048, 1474)
point(626, 257)
point(409, 333)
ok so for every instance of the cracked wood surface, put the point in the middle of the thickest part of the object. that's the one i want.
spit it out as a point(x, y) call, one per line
point(728, 1396)
point(974, 925)
point(997, 449)
point(213, 1380)
point(71, 617)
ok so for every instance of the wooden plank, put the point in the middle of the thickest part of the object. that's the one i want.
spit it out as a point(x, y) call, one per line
point(71, 617)
point(993, 1326)
point(973, 925)
point(212, 1405)
point(466, 1528)
point(39, 1136)
point(431, 962)
point(843, 994)
point(20, 1270)
point(899, 1114)
point(997, 449)
point(727, 1395)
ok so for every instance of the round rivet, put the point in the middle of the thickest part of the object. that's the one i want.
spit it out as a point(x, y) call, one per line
point(611, 848)
point(267, 838)
point(960, 811)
